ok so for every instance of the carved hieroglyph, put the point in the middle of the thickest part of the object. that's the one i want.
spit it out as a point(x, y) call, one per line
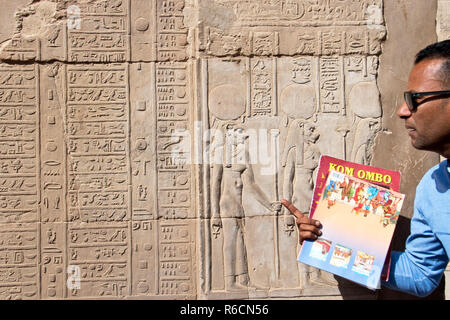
point(145, 144)
point(443, 20)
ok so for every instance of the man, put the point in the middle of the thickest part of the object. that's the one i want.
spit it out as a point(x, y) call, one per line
point(426, 112)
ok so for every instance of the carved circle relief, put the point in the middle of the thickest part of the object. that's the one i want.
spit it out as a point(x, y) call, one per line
point(184, 268)
point(364, 100)
point(227, 102)
point(51, 146)
point(184, 234)
point(141, 144)
point(182, 214)
point(183, 197)
point(180, 110)
point(181, 93)
point(184, 287)
point(182, 180)
point(51, 292)
point(143, 287)
point(142, 24)
point(298, 101)
point(181, 75)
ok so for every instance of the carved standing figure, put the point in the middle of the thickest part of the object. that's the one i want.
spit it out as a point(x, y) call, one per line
point(230, 171)
point(300, 158)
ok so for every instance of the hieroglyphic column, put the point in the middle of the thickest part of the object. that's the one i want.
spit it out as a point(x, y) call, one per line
point(99, 234)
point(20, 189)
point(174, 178)
point(331, 98)
point(173, 116)
point(53, 182)
point(261, 82)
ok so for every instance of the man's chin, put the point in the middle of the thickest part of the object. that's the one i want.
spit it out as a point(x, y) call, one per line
point(417, 144)
point(420, 145)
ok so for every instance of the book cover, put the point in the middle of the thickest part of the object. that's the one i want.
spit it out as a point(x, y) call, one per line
point(383, 177)
point(358, 214)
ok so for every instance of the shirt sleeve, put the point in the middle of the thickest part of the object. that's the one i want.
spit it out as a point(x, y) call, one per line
point(418, 270)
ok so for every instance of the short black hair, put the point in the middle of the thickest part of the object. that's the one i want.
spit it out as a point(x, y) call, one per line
point(438, 50)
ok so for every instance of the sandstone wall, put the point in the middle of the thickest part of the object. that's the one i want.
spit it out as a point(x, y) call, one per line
point(115, 117)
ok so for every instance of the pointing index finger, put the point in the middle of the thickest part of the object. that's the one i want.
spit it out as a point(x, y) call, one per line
point(292, 208)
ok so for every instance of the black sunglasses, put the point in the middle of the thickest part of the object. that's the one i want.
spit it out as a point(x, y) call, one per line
point(410, 97)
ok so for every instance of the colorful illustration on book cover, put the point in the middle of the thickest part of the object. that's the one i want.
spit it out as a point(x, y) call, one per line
point(365, 199)
point(363, 263)
point(358, 221)
point(380, 177)
point(320, 249)
point(341, 256)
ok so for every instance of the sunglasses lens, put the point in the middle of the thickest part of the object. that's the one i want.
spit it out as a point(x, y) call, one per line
point(409, 101)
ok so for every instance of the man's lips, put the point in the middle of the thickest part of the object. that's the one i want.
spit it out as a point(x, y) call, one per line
point(409, 127)
point(410, 130)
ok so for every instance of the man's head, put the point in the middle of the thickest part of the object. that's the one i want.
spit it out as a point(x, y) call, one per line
point(438, 50)
point(427, 118)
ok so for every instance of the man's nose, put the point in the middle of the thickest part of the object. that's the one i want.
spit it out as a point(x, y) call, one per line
point(403, 111)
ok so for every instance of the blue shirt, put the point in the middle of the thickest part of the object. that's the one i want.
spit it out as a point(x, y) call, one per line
point(418, 270)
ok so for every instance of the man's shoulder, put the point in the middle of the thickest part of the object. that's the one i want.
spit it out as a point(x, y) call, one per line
point(441, 169)
point(436, 176)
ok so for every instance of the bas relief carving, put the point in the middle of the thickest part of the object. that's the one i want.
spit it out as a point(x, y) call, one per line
point(227, 183)
point(104, 106)
point(331, 120)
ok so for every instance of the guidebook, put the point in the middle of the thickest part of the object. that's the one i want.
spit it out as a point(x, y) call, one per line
point(358, 206)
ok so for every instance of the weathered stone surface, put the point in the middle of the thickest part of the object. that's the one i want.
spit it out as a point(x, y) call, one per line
point(145, 145)
point(443, 20)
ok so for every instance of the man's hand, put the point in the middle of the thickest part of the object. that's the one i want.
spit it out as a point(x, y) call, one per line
point(308, 228)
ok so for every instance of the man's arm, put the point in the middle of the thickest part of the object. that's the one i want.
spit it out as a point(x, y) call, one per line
point(419, 269)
